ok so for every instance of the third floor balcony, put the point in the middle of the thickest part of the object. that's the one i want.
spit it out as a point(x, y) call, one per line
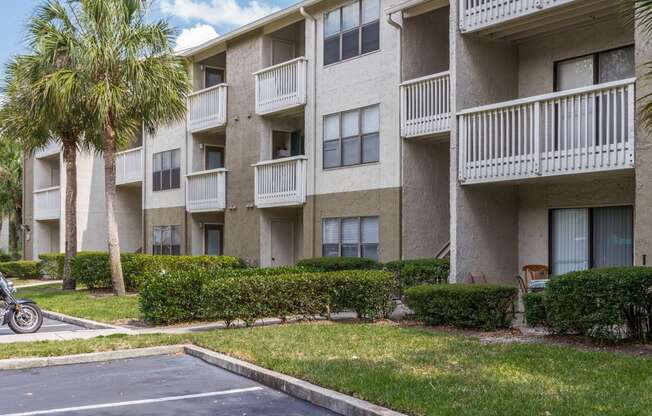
point(425, 106)
point(207, 109)
point(281, 88)
point(584, 130)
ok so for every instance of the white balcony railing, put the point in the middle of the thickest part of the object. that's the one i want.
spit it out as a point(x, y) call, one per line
point(425, 105)
point(52, 148)
point(206, 191)
point(480, 14)
point(588, 129)
point(280, 182)
point(129, 166)
point(207, 108)
point(281, 87)
point(47, 203)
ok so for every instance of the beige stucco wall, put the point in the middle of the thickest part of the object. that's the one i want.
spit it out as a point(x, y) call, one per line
point(195, 236)
point(431, 29)
point(164, 138)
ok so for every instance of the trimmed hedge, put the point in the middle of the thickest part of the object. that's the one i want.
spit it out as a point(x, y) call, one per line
point(467, 306)
point(5, 258)
point(252, 294)
point(93, 270)
point(52, 265)
point(411, 273)
point(609, 303)
point(535, 309)
point(21, 269)
point(331, 264)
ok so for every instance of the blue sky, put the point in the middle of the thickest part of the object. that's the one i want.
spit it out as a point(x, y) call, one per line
point(195, 20)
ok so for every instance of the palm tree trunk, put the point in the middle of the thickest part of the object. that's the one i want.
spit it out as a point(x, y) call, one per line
point(70, 160)
point(111, 224)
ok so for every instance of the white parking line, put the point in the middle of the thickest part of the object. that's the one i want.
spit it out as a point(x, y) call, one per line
point(135, 402)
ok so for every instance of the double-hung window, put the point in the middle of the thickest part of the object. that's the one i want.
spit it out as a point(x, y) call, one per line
point(583, 238)
point(351, 137)
point(166, 172)
point(351, 237)
point(351, 30)
point(166, 240)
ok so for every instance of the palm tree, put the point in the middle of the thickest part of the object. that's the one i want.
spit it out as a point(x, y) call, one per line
point(42, 104)
point(643, 20)
point(11, 196)
point(129, 76)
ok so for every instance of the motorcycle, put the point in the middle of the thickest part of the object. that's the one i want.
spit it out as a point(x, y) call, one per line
point(22, 315)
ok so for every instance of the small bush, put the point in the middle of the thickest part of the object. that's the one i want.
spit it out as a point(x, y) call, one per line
point(52, 265)
point(252, 294)
point(411, 273)
point(332, 264)
point(609, 303)
point(4, 257)
point(467, 306)
point(21, 269)
point(535, 309)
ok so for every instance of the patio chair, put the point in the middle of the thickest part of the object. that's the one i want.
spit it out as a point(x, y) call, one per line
point(533, 272)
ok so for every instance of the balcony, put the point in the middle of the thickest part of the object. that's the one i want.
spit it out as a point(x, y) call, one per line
point(585, 130)
point(280, 182)
point(518, 18)
point(425, 106)
point(52, 148)
point(282, 87)
point(47, 204)
point(129, 166)
point(206, 191)
point(207, 109)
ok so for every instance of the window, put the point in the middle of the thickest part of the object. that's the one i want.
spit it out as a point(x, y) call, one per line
point(596, 68)
point(583, 238)
point(351, 137)
point(167, 170)
point(351, 30)
point(212, 239)
point(167, 240)
point(213, 157)
point(214, 76)
point(351, 237)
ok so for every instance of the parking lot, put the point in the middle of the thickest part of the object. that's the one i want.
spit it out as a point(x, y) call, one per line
point(49, 325)
point(159, 385)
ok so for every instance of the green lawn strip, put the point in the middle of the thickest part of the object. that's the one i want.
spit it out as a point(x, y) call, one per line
point(83, 303)
point(419, 372)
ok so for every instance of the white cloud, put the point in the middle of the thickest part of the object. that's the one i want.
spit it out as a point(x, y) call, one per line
point(217, 12)
point(194, 36)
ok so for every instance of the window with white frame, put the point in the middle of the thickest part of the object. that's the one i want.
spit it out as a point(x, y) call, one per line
point(166, 172)
point(351, 30)
point(350, 237)
point(351, 137)
point(166, 240)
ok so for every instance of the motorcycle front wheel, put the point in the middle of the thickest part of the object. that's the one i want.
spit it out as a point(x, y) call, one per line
point(27, 320)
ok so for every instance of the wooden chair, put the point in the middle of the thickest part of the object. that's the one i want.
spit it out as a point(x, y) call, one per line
point(533, 272)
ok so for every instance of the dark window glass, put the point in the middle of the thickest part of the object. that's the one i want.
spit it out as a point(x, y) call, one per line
point(167, 170)
point(371, 37)
point(370, 151)
point(331, 50)
point(331, 250)
point(332, 154)
point(352, 137)
point(616, 65)
point(370, 251)
point(351, 151)
point(214, 76)
point(350, 237)
point(350, 44)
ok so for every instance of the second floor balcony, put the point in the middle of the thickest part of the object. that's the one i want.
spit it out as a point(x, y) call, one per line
point(206, 191)
point(585, 130)
point(425, 105)
point(129, 166)
point(280, 182)
point(207, 109)
point(282, 87)
point(47, 204)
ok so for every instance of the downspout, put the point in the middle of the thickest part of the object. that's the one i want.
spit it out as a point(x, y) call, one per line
point(308, 16)
point(400, 144)
point(143, 189)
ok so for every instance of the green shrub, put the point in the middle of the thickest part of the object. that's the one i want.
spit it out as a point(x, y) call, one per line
point(52, 265)
point(467, 306)
point(252, 294)
point(331, 264)
point(607, 303)
point(21, 269)
point(411, 273)
point(535, 309)
point(4, 257)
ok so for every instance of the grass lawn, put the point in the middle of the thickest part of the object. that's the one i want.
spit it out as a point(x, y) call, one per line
point(417, 371)
point(101, 307)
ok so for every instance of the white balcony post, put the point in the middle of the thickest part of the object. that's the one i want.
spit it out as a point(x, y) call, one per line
point(537, 138)
point(207, 108)
point(425, 105)
point(47, 203)
point(280, 182)
point(129, 166)
point(206, 191)
point(281, 87)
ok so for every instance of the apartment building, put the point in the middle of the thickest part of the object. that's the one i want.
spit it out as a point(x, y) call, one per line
point(504, 129)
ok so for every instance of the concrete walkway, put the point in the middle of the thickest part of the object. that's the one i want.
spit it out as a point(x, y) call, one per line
point(44, 283)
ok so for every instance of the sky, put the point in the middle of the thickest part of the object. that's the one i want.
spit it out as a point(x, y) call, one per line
point(194, 20)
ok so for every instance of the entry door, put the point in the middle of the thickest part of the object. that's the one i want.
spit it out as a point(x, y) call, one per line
point(282, 51)
point(213, 157)
point(212, 239)
point(282, 243)
point(214, 76)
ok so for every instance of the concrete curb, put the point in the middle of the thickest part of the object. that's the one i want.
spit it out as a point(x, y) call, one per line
point(329, 399)
point(44, 283)
point(84, 323)
point(38, 362)
point(326, 398)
